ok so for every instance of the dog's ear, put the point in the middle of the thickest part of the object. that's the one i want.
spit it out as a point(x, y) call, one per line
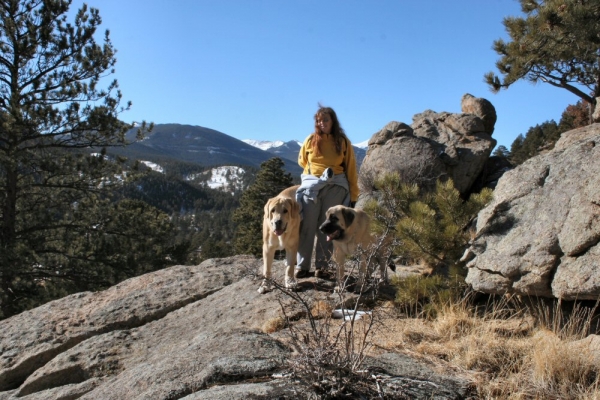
point(348, 215)
point(294, 207)
point(267, 209)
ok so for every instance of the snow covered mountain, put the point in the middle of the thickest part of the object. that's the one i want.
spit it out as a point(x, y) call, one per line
point(267, 145)
point(224, 156)
point(289, 150)
point(362, 145)
point(263, 144)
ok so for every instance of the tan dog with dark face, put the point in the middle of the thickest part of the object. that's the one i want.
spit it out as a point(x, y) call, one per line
point(349, 228)
point(281, 231)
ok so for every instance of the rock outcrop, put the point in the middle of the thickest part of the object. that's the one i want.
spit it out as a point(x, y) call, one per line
point(540, 235)
point(492, 171)
point(436, 146)
point(186, 332)
point(481, 107)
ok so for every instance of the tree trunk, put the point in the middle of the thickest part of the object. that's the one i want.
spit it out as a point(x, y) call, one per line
point(7, 242)
point(9, 211)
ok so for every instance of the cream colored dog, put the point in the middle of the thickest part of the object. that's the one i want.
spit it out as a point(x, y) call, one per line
point(350, 228)
point(281, 231)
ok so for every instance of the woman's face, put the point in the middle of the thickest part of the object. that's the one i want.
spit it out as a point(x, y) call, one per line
point(324, 123)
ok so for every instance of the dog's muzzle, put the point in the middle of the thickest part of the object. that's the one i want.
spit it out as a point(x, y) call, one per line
point(332, 231)
point(334, 235)
point(279, 228)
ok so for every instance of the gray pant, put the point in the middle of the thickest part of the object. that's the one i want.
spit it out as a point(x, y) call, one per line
point(313, 216)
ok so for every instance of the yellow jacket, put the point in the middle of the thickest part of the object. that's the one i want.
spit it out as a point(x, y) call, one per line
point(345, 162)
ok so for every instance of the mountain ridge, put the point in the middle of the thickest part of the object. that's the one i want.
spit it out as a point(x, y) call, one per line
point(289, 150)
point(207, 147)
point(195, 145)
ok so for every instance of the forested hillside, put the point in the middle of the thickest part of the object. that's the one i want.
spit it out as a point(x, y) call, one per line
point(201, 215)
point(543, 136)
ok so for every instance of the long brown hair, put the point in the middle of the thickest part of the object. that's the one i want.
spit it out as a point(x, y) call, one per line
point(336, 130)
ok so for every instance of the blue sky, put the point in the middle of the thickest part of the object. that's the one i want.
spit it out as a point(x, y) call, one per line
point(257, 69)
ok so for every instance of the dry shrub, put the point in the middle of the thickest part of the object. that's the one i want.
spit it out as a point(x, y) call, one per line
point(329, 353)
point(567, 320)
point(274, 325)
point(468, 338)
point(394, 333)
point(321, 309)
point(488, 353)
point(510, 348)
point(454, 320)
point(518, 354)
point(560, 369)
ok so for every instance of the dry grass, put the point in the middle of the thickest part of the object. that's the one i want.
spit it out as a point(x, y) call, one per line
point(510, 350)
point(321, 309)
point(274, 325)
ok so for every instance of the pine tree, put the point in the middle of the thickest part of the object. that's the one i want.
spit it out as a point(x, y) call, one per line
point(537, 139)
point(557, 42)
point(57, 220)
point(544, 136)
point(575, 116)
point(270, 180)
point(427, 227)
point(502, 152)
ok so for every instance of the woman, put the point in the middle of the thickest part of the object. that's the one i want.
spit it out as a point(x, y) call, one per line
point(329, 179)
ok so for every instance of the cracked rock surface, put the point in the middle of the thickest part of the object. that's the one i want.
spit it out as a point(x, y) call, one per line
point(540, 234)
point(185, 332)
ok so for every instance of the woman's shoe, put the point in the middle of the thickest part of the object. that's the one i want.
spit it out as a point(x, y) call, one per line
point(301, 273)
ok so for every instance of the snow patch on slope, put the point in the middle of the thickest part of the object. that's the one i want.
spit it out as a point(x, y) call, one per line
point(153, 166)
point(263, 144)
point(226, 178)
